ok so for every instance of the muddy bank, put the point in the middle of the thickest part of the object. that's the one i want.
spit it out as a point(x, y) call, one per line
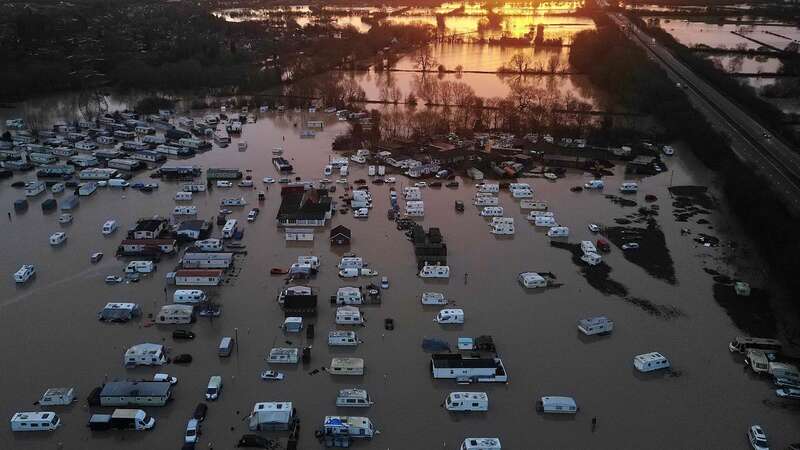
point(690, 201)
point(599, 277)
point(652, 255)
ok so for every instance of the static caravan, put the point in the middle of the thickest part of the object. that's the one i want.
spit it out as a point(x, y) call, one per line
point(140, 267)
point(353, 398)
point(283, 355)
point(544, 221)
point(557, 405)
point(588, 247)
point(502, 225)
point(293, 324)
point(450, 316)
point(415, 208)
point(119, 312)
point(58, 397)
point(429, 271)
point(182, 196)
point(194, 187)
point(207, 260)
point(492, 211)
point(272, 416)
point(229, 229)
point(346, 366)
point(649, 362)
point(433, 298)
point(412, 193)
point(175, 315)
point(532, 280)
point(35, 421)
point(145, 355)
point(456, 366)
point(299, 234)
point(184, 210)
point(596, 325)
point(350, 427)
point(135, 393)
point(488, 187)
point(209, 245)
point(313, 261)
point(349, 295)
point(592, 259)
point(198, 277)
point(351, 262)
point(481, 444)
point(558, 232)
point(341, 338)
point(486, 201)
point(467, 401)
point(189, 296)
point(349, 315)
point(629, 187)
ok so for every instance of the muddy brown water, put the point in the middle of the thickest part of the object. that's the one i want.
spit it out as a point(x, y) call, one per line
point(49, 335)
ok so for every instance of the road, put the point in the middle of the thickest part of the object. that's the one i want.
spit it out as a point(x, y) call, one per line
point(750, 141)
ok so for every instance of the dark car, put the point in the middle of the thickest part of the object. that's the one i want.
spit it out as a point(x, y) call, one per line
point(254, 441)
point(200, 412)
point(188, 446)
point(183, 358)
point(388, 323)
point(182, 334)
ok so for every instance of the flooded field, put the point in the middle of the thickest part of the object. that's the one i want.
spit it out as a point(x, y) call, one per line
point(49, 334)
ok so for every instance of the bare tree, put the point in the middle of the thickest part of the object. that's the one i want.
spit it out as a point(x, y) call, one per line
point(520, 62)
point(553, 63)
point(424, 59)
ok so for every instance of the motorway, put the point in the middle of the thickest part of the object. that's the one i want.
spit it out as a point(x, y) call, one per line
point(751, 142)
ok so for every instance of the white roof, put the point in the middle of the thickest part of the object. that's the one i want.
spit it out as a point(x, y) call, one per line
point(144, 349)
point(469, 395)
point(348, 362)
point(652, 356)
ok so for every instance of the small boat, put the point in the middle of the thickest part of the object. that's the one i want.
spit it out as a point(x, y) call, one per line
point(58, 238)
point(278, 271)
point(57, 188)
point(271, 375)
point(65, 218)
point(49, 204)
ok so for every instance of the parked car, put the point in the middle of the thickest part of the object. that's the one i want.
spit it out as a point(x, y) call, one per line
point(183, 358)
point(384, 282)
point(165, 377)
point(113, 279)
point(788, 393)
point(182, 334)
point(200, 411)
point(630, 246)
point(192, 431)
point(757, 438)
point(254, 441)
point(594, 228)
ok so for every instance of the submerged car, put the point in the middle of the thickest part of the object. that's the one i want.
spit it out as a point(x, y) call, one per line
point(182, 334)
point(254, 441)
point(758, 438)
point(630, 246)
point(271, 375)
point(200, 411)
point(792, 393)
point(192, 431)
point(113, 279)
point(594, 228)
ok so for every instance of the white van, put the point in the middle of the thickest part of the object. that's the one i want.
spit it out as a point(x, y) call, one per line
point(558, 232)
point(118, 183)
point(649, 362)
point(467, 401)
point(341, 338)
point(349, 315)
point(450, 316)
point(594, 184)
point(429, 271)
point(35, 421)
point(557, 405)
point(140, 267)
point(629, 187)
point(492, 211)
point(486, 201)
point(351, 262)
point(229, 229)
point(189, 296)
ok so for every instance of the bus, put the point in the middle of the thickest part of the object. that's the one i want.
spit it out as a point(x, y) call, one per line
point(741, 344)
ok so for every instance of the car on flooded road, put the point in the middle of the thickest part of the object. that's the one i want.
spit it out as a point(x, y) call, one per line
point(113, 279)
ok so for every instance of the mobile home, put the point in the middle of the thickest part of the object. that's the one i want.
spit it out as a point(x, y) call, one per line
point(35, 421)
point(467, 401)
point(532, 280)
point(558, 232)
point(145, 355)
point(649, 362)
point(346, 366)
point(283, 355)
point(429, 271)
point(596, 325)
point(350, 427)
point(341, 338)
point(486, 201)
point(492, 211)
point(456, 366)
point(135, 393)
point(272, 416)
point(353, 398)
point(189, 296)
point(450, 316)
point(481, 444)
point(349, 315)
point(58, 397)
point(557, 405)
point(175, 315)
point(198, 277)
point(229, 229)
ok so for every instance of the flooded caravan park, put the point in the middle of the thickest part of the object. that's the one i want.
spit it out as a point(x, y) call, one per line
point(51, 337)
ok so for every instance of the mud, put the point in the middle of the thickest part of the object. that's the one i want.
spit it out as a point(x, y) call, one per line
point(652, 255)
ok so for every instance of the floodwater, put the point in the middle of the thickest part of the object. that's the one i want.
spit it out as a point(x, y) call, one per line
point(49, 335)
